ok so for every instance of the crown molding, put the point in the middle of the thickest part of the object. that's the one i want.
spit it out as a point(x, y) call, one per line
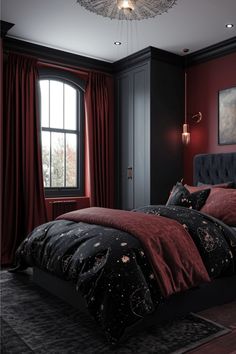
point(133, 59)
point(150, 53)
point(211, 52)
point(5, 27)
point(147, 54)
point(55, 55)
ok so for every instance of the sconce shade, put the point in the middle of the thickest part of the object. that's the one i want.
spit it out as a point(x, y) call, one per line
point(186, 134)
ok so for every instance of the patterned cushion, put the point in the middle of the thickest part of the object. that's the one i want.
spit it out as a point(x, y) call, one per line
point(182, 197)
point(221, 204)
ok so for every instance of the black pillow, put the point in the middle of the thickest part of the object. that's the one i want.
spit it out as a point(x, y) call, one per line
point(182, 197)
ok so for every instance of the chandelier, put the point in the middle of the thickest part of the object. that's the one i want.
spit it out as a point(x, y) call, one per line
point(127, 9)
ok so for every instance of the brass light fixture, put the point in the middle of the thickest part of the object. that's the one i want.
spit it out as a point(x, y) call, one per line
point(196, 118)
point(128, 9)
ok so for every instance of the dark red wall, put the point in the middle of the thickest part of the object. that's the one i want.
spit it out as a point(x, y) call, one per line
point(204, 82)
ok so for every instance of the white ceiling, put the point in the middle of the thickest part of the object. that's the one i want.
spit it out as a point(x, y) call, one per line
point(65, 25)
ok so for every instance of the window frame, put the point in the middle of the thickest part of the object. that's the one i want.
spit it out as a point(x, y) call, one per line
point(79, 85)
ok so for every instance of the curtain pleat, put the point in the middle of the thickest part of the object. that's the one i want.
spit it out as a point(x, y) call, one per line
point(23, 191)
point(100, 139)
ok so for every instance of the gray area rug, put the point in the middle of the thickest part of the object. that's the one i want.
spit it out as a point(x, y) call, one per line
point(34, 321)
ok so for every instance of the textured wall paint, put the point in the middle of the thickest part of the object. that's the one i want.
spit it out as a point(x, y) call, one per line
point(204, 82)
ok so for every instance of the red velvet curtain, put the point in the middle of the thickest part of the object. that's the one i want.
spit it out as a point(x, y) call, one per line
point(23, 191)
point(100, 139)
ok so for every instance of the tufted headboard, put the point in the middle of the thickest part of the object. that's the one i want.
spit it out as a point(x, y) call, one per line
point(214, 168)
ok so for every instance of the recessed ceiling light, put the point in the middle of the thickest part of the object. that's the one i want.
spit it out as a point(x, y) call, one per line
point(117, 43)
point(229, 25)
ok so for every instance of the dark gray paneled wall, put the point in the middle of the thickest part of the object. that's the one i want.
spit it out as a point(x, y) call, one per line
point(150, 115)
point(134, 136)
point(141, 135)
point(125, 141)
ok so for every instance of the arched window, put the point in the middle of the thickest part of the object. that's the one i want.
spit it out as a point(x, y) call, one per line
point(62, 133)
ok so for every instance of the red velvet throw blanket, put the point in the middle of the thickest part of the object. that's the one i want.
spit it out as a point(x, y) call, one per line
point(175, 259)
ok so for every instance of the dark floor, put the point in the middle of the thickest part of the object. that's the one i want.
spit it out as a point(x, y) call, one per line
point(225, 315)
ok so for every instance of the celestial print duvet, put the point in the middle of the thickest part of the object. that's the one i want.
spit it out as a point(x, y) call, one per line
point(112, 269)
point(215, 241)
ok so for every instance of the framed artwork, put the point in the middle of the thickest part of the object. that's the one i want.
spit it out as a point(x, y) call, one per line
point(227, 116)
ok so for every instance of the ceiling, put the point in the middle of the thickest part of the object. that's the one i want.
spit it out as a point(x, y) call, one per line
point(65, 25)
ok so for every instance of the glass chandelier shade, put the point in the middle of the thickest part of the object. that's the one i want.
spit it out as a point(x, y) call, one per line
point(128, 9)
point(185, 134)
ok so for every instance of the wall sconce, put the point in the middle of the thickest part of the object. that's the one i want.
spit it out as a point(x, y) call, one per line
point(196, 118)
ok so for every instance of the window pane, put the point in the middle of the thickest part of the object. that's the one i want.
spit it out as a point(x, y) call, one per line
point(56, 104)
point(70, 107)
point(44, 109)
point(57, 171)
point(46, 158)
point(71, 163)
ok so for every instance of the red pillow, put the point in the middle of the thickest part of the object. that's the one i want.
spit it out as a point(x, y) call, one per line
point(193, 189)
point(221, 204)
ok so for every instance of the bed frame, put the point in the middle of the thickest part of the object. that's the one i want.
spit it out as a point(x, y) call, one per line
point(208, 168)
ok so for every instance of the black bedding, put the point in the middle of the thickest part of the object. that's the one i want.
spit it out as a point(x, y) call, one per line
point(216, 241)
point(111, 268)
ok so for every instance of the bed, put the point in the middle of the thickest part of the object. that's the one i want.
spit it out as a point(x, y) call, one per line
point(143, 281)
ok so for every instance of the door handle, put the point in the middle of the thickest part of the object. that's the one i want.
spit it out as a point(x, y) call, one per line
point(130, 172)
